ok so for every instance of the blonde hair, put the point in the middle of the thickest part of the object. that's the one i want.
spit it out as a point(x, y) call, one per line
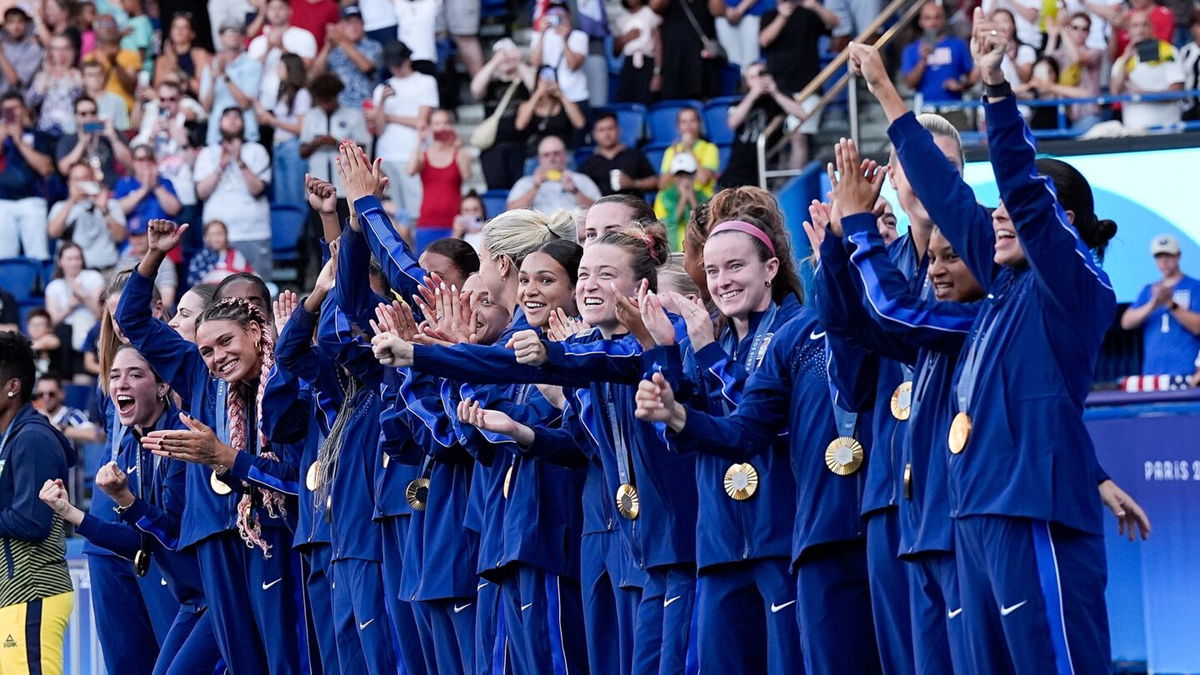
point(518, 232)
point(940, 126)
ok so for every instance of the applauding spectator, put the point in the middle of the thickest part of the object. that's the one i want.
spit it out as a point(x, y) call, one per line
point(55, 88)
point(352, 56)
point(938, 66)
point(217, 260)
point(232, 178)
point(1148, 66)
point(233, 79)
point(613, 167)
point(26, 163)
point(688, 141)
point(20, 52)
point(442, 167)
point(749, 119)
point(164, 130)
point(147, 194)
point(1079, 65)
point(181, 59)
point(73, 295)
point(549, 113)
point(279, 37)
point(89, 218)
point(1168, 312)
point(789, 38)
point(325, 125)
point(122, 65)
point(504, 80)
point(48, 342)
point(552, 186)
point(680, 198)
point(111, 106)
point(287, 118)
point(94, 142)
point(402, 108)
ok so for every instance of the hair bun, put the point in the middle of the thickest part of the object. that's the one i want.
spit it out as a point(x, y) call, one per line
point(1105, 230)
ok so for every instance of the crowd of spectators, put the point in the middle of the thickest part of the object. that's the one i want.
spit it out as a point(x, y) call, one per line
point(113, 113)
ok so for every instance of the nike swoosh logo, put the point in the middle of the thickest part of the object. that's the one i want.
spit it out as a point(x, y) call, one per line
point(482, 586)
point(1005, 611)
point(267, 587)
point(953, 613)
point(526, 606)
point(815, 335)
point(667, 603)
point(365, 624)
point(131, 469)
point(459, 608)
point(775, 608)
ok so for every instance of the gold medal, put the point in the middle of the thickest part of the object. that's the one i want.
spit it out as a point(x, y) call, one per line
point(141, 562)
point(417, 493)
point(960, 432)
point(312, 480)
point(218, 486)
point(844, 455)
point(507, 481)
point(741, 481)
point(628, 504)
point(908, 481)
point(902, 401)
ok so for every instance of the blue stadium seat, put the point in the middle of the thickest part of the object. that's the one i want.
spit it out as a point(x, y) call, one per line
point(660, 121)
point(495, 202)
point(581, 154)
point(723, 150)
point(731, 79)
point(21, 277)
point(48, 271)
point(631, 118)
point(716, 112)
point(654, 153)
point(287, 224)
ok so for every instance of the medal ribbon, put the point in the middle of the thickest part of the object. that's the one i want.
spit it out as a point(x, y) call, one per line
point(965, 389)
point(754, 357)
point(624, 460)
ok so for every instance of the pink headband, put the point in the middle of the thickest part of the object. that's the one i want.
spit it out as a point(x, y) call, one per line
point(746, 228)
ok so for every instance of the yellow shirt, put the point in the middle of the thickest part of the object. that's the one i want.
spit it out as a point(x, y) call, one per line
point(706, 155)
point(127, 59)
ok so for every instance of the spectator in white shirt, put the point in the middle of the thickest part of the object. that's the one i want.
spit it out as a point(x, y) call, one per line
point(232, 178)
point(287, 118)
point(552, 186)
point(89, 217)
point(326, 123)
point(402, 108)
point(1026, 16)
point(232, 78)
point(562, 49)
point(279, 37)
point(1148, 66)
point(418, 31)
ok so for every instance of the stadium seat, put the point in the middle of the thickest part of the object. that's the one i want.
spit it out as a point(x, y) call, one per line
point(731, 80)
point(716, 112)
point(48, 270)
point(581, 154)
point(723, 150)
point(631, 118)
point(495, 202)
point(654, 153)
point(287, 225)
point(22, 277)
point(660, 121)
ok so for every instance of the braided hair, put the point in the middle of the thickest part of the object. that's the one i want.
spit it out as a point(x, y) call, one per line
point(245, 314)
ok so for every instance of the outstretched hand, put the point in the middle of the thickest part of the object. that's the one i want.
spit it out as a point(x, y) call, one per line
point(163, 235)
point(856, 183)
point(359, 178)
point(322, 196)
point(988, 47)
point(495, 421)
point(197, 444)
point(656, 403)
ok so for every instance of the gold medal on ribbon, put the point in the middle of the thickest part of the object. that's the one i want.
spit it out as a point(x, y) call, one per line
point(741, 481)
point(960, 432)
point(417, 493)
point(628, 504)
point(507, 481)
point(218, 486)
point(312, 479)
point(844, 455)
point(386, 460)
point(141, 562)
point(908, 481)
point(901, 402)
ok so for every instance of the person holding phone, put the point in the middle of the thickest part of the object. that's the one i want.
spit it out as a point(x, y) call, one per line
point(1148, 66)
point(549, 112)
point(89, 217)
point(443, 169)
point(26, 162)
point(937, 65)
point(95, 143)
point(562, 48)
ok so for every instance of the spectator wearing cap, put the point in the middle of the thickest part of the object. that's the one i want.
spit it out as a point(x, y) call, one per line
point(402, 106)
point(560, 50)
point(352, 56)
point(93, 142)
point(680, 197)
point(278, 37)
point(688, 141)
point(122, 65)
point(89, 218)
point(1168, 312)
point(20, 52)
point(232, 178)
point(26, 164)
point(1148, 65)
point(615, 167)
point(552, 186)
point(111, 106)
point(233, 79)
point(325, 125)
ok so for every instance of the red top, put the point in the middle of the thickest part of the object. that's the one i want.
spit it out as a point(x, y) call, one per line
point(1162, 26)
point(314, 17)
point(443, 190)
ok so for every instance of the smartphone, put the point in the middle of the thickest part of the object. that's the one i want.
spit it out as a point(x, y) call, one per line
point(90, 189)
point(553, 175)
point(93, 127)
point(548, 73)
point(552, 21)
point(1147, 51)
point(10, 116)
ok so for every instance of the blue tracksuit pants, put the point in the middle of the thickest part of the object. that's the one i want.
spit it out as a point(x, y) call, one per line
point(126, 633)
point(668, 609)
point(833, 608)
point(405, 637)
point(358, 599)
point(318, 599)
point(938, 641)
point(889, 592)
point(543, 619)
point(747, 618)
point(609, 609)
